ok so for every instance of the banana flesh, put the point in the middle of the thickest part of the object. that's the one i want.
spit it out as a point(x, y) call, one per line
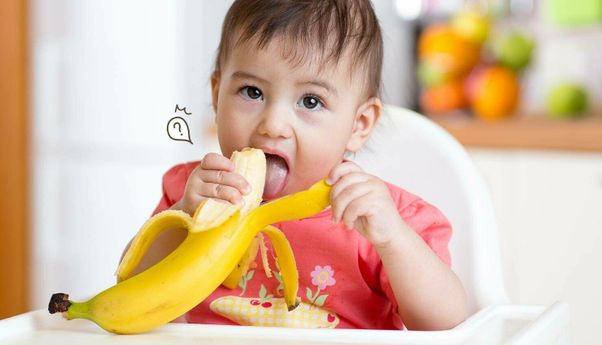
point(197, 267)
point(213, 213)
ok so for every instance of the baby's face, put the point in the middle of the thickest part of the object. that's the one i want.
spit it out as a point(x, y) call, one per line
point(300, 116)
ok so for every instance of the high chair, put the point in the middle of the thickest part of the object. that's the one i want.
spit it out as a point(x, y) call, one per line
point(414, 153)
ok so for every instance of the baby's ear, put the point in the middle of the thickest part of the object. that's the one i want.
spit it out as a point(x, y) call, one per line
point(215, 78)
point(364, 123)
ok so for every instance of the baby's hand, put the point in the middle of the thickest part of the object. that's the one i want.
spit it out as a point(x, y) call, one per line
point(213, 178)
point(363, 202)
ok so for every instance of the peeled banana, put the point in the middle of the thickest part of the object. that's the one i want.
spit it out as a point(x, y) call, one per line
point(203, 261)
point(249, 163)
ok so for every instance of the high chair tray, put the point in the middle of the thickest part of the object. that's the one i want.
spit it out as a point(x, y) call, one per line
point(501, 324)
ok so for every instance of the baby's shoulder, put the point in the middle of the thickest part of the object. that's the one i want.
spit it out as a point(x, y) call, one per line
point(420, 214)
point(402, 197)
point(181, 170)
point(175, 178)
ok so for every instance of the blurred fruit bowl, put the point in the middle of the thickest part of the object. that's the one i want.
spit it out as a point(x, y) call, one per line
point(454, 76)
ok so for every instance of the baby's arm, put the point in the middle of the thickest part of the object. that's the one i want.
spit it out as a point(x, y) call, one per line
point(214, 178)
point(429, 294)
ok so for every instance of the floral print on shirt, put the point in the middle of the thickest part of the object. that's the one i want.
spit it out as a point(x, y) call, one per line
point(321, 277)
point(267, 310)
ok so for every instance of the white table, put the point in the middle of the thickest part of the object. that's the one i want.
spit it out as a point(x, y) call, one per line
point(501, 324)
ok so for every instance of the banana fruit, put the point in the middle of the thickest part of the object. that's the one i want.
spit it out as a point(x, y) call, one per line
point(251, 164)
point(204, 260)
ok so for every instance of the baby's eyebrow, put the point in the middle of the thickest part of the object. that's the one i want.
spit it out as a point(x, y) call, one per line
point(245, 75)
point(321, 84)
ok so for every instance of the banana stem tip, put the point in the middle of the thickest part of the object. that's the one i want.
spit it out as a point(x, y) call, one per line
point(59, 303)
point(294, 306)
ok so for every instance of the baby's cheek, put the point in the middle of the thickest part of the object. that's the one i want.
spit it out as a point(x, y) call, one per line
point(230, 139)
point(320, 165)
point(243, 106)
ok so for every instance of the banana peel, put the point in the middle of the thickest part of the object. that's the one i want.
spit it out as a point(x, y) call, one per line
point(204, 260)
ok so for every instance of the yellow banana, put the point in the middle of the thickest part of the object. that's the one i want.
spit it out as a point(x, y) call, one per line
point(286, 262)
point(195, 269)
point(254, 171)
point(249, 163)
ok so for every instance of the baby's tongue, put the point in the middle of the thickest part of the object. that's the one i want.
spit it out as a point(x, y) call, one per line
point(275, 176)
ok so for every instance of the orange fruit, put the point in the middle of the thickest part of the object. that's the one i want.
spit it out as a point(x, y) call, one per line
point(494, 92)
point(442, 45)
point(443, 98)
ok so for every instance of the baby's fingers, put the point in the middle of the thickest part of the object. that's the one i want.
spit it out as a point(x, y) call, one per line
point(355, 209)
point(215, 161)
point(226, 178)
point(342, 169)
point(220, 191)
point(346, 181)
point(341, 201)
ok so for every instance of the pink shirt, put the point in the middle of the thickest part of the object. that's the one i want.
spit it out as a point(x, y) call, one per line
point(342, 282)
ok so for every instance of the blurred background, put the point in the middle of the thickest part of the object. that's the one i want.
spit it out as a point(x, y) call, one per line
point(87, 89)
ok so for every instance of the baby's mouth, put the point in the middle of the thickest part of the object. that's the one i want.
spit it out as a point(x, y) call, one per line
point(276, 176)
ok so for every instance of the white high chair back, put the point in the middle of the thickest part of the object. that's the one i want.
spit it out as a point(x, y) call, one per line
point(417, 155)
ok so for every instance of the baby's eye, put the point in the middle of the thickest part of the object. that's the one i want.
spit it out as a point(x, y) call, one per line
point(251, 92)
point(310, 102)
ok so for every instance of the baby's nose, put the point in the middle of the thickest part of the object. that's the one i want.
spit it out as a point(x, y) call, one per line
point(275, 123)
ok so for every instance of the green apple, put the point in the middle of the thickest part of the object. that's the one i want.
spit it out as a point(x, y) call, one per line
point(513, 50)
point(567, 100)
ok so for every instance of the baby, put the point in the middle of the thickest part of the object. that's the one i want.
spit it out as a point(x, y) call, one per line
point(301, 81)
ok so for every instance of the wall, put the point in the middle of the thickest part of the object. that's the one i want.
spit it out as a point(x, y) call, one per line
point(106, 80)
point(548, 209)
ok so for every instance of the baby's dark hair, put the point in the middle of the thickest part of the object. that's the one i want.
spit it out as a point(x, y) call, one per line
point(330, 27)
